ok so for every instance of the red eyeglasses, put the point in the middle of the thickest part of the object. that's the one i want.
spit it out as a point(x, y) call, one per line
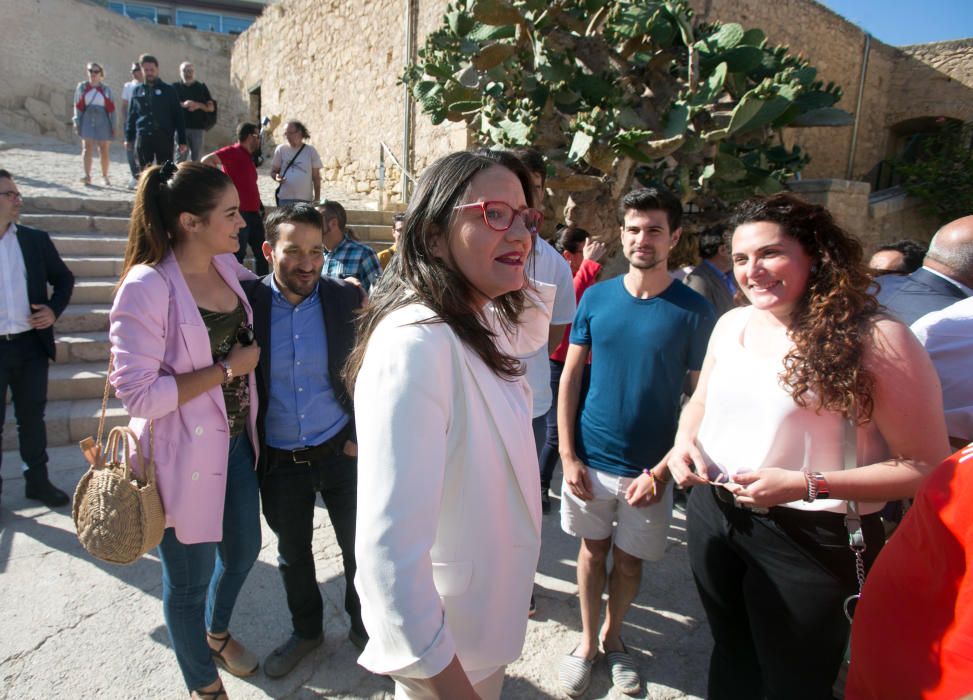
point(499, 216)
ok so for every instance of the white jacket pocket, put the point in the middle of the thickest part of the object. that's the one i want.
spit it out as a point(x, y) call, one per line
point(452, 578)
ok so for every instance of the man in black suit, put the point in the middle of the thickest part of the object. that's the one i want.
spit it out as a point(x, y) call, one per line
point(28, 263)
point(946, 275)
point(304, 324)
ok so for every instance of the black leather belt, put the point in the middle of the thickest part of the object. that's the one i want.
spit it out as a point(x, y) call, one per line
point(307, 455)
point(13, 336)
point(726, 497)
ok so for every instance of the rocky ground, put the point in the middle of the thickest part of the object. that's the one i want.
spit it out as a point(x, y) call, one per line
point(72, 627)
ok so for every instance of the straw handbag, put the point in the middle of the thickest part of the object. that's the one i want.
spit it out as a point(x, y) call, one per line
point(119, 516)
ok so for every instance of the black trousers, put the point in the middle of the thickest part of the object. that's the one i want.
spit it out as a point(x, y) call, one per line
point(253, 234)
point(153, 148)
point(773, 587)
point(23, 368)
point(288, 493)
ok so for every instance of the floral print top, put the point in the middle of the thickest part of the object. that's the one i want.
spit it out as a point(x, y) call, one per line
point(222, 327)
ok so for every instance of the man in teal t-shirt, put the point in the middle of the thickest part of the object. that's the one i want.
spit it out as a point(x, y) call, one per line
point(644, 332)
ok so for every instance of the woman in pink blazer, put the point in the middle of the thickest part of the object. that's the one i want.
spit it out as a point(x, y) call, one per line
point(183, 358)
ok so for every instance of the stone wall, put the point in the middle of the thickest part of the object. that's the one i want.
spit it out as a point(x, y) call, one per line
point(927, 80)
point(335, 65)
point(46, 44)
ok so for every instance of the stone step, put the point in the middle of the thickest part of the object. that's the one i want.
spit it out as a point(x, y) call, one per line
point(76, 223)
point(69, 422)
point(93, 290)
point(83, 318)
point(70, 381)
point(90, 206)
point(82, 347)
point(372, 232)
point(78, 205)
point(94, 265)
point(364, 217)
point(84, 244)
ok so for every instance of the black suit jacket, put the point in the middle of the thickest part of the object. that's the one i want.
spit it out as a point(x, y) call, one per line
point(921, 293)
point(339, 301)
point(44, 266)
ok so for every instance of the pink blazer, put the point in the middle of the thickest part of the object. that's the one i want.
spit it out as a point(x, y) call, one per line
point(156, 333)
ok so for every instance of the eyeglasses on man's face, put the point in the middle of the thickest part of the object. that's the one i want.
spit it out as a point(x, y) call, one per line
point(499, 216)
point(12, 195)
point(94, 71)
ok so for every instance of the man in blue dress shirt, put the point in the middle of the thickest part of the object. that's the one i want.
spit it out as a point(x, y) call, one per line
point(305, 326)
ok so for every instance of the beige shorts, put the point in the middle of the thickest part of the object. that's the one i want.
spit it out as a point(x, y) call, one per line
point(641, 532)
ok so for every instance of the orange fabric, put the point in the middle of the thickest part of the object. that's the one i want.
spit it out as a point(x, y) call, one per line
point(913, 630)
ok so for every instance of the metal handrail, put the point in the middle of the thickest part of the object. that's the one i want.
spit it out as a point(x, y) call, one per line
point(383, 149)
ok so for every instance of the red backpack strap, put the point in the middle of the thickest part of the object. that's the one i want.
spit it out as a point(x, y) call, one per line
point(80, 105)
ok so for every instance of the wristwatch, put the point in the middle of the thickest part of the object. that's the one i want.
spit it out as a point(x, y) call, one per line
point(227, 371)
point(817, 486)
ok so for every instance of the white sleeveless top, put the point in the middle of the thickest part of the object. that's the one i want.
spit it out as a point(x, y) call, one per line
point(751, 422)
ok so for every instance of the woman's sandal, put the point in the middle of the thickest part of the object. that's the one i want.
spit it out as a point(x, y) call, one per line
point(245, 665)
point(218, 694)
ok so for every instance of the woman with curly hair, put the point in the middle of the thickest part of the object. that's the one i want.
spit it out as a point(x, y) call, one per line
point(809, 367)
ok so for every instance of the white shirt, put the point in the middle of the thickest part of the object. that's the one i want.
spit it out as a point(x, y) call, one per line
point(127, 89)
point(15, 309)
point(947, 335)
point(547, 266)
point(751, 421)
point(297, 182)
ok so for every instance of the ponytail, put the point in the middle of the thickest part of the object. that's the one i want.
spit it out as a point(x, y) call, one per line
point(164, 192)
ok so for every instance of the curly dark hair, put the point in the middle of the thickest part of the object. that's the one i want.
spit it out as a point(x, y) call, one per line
point(832, 323)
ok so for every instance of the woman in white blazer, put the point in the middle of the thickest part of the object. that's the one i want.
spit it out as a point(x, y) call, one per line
point(448, 528)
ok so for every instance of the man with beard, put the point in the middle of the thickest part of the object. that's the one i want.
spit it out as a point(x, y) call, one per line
point(237, 161)
point(154, 117)
point(304, 324)
point(645, 333)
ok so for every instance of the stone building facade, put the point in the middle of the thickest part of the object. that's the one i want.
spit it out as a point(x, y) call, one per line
point(335, 65)
point(45, 44)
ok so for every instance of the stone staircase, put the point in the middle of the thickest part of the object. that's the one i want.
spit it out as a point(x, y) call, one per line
point(90, 235)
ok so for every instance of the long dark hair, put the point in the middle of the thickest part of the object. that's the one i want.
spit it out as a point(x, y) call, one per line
point(832, 323)
point(415, 275)
point(164, 192)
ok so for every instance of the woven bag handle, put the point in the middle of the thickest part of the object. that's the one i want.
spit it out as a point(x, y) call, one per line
point(126, 435)
point(111, 451)
point(104, 399)
point(148, 472)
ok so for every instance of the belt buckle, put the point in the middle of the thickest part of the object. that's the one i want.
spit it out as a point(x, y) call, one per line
point(300, 461)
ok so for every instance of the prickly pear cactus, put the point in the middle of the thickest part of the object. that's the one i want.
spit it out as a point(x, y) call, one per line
point(613, 90)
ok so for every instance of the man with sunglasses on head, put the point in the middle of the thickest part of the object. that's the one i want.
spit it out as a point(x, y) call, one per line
point(305, 326)
point(28, 264)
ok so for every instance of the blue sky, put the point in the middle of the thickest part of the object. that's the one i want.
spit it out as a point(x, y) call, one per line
point(901, 22)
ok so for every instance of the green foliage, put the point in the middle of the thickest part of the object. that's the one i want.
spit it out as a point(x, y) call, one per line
point(596, 83)
point(942, 176)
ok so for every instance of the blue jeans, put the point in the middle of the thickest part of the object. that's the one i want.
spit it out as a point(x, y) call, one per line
point(200, 582)
point(285, 202)
point(132, 161)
